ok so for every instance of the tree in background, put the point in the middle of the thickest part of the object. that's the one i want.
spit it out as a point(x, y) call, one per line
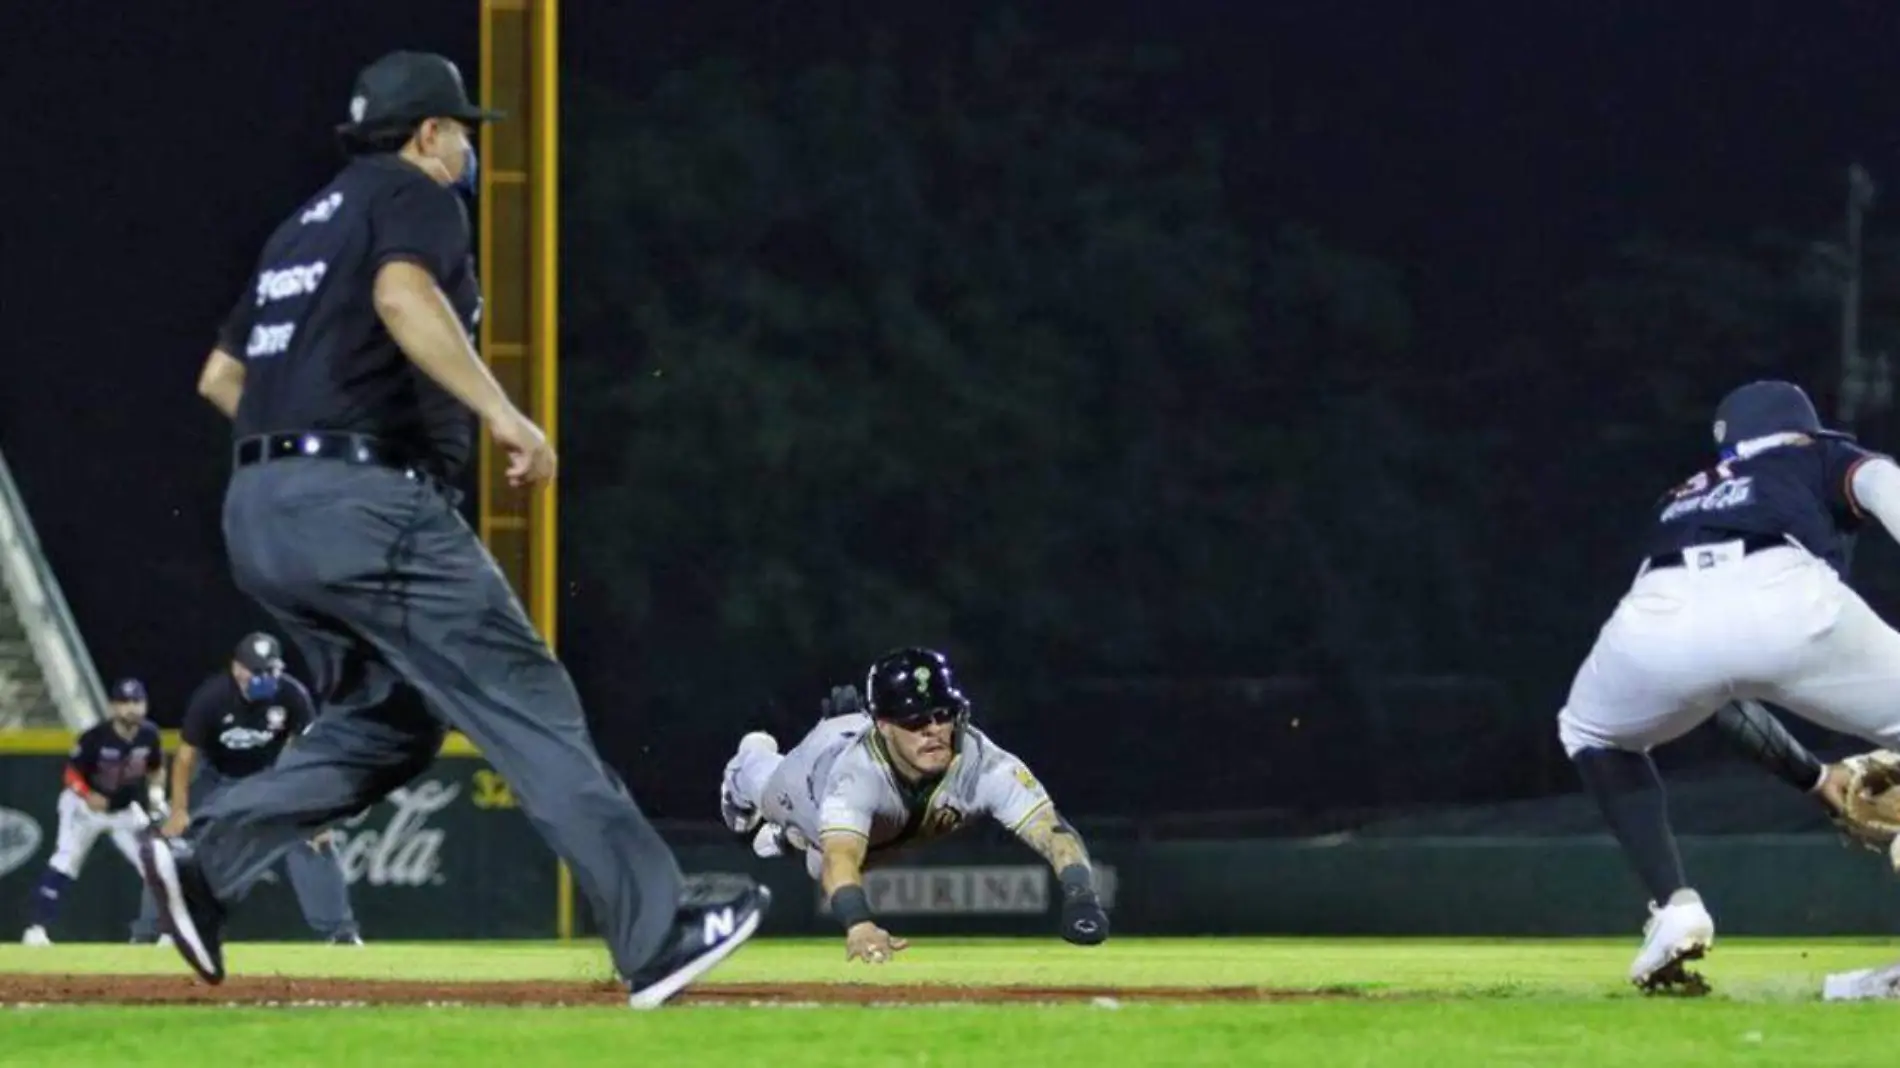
point(892, 360)
point(862, 353)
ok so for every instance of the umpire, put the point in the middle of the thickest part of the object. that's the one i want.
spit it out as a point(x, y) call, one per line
point(349, 372)
point(237, 724)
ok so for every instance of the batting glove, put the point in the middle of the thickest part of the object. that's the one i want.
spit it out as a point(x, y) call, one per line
point(842, 702)
point(1083, 921)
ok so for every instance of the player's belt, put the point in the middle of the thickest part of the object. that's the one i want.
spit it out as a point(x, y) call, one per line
point(1751, 543)
point(364, 449)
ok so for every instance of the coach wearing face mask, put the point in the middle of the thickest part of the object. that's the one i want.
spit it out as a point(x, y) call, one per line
point(237, 724)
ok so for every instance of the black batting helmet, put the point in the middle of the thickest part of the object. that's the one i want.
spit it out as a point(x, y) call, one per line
point(911, 687)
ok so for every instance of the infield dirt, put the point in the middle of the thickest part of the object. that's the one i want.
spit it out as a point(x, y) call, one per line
point(284, 990)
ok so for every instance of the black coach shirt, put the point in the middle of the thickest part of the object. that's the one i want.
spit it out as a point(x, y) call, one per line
point(1802, 488)
point(315, 354)
point(237, 736)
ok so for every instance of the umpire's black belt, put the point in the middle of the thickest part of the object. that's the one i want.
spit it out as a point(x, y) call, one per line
point(364, 449)
point(1751, 543)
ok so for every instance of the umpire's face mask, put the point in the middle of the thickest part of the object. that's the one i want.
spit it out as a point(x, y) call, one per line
point(470, 166)
point(260, 685)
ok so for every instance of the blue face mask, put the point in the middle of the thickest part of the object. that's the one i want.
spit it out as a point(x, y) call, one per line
point(261, 687)
point(470, 168)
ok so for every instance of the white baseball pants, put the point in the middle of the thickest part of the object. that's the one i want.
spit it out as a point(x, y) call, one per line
point(80, 827)
point(1777, 625)
point(767, 780)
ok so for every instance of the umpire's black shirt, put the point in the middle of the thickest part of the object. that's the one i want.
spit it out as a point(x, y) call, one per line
point(315, 354)
point(236, 736)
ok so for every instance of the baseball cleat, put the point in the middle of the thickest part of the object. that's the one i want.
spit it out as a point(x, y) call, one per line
point(1676, 933)
point(35, 936)
point(742, 818)
point(186, 909)
point(703, 935)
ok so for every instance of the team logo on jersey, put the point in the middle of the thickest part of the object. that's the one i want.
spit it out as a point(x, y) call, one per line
point(243, 739)
point(322, 211)
point(274, 718)
point(922, 675)
point(942, 820)
point(1694, 497)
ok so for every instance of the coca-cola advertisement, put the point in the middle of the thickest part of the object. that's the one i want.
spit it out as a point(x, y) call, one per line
point(403, 848)
point(448, 855)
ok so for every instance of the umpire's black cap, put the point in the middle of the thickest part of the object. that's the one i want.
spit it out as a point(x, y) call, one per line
point(407, 87)
point(260, 654)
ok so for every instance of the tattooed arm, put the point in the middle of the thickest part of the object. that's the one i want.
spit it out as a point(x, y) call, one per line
point(1045, 831)
point(1048, 833)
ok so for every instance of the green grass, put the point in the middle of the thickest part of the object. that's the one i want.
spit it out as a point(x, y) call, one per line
point(1456, 1002)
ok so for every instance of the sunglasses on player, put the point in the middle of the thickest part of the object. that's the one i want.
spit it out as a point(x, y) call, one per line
point(916, 721)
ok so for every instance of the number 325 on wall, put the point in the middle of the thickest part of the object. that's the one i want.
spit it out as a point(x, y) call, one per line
point(492, 791)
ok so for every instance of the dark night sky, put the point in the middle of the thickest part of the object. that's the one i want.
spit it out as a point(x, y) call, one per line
point(1497, 151)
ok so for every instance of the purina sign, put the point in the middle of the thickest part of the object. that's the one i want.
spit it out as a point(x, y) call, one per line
point(1013, 890)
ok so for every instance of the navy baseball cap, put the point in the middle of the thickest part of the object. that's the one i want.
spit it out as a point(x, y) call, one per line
point(259, 653)
point(1767, 407)
point(406, 87)
point(128, 690)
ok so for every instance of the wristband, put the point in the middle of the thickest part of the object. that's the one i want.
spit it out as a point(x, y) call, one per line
point(850, 907)
point(1076, 880)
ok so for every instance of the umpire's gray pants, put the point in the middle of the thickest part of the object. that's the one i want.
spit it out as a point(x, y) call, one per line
point(408, 626)
point(314, 873)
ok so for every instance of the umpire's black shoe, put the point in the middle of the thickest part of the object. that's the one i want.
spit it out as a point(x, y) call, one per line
point(703, 935)
point(186, 909)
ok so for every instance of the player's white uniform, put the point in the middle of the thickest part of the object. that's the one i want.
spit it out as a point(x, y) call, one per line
point(1778, 624)
point(80, 827)
point(839, 778)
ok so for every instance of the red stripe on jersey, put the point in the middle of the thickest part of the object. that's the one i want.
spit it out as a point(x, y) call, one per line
point(1847, 486)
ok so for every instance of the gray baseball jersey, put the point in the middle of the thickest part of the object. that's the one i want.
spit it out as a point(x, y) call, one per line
point(839, 778)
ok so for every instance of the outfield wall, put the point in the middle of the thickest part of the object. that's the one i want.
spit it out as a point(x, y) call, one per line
point(452, 857)
point(1769, 885)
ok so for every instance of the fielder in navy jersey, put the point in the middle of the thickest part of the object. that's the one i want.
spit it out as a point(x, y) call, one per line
point(1739, 599)
point(113, 786)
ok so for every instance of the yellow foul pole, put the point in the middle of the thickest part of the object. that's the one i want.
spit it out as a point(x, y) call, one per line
point(519, 261)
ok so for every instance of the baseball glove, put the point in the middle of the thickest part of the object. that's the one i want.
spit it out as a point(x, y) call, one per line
point(1868, 807)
